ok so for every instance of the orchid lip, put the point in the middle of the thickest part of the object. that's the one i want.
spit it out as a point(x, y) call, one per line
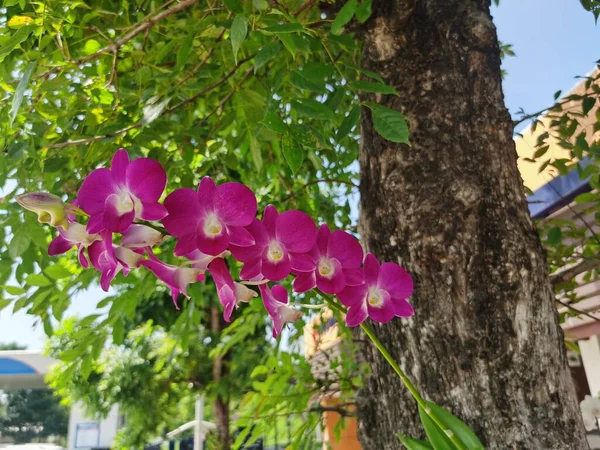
point(275, 252)
point(212, 226)
point(326, 268)
point(374, 298)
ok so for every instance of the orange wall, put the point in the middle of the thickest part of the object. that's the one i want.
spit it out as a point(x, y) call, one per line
point(348, 434)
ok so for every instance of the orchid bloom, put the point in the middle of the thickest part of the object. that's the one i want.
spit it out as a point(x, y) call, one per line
point(176, 278)
point(75, 235)
point(49, 207)
point(275, 301)
point(210, 219)
point(338, 257)
point(230, 293)
point(128, 191)
point(102, 257)
point(282, 243)
point(381, 297)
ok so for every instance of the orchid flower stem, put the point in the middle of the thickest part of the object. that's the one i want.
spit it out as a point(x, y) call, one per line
point(308, 306)
point(155, 227)
point(394, 365)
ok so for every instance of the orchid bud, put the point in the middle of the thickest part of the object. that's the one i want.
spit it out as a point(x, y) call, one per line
point(49, 207)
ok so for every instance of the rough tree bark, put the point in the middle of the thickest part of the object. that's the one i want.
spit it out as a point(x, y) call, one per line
point(485, 342)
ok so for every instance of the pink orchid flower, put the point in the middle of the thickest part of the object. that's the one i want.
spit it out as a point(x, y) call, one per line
point(110, 259)
point(212, 218)
point(282, 243)
point(275, 301)
point(381, 297)
point(74, 236)
point(338, 256)
point(177, 278)
point(128, 191)
point(229, 292)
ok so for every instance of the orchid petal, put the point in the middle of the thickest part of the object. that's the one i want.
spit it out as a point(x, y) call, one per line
point(185, 245)
point(334, 284)
point(95, 224)
point(211, 245)
point(236, 204)
point(356, 315)
point(138, 236)
point(146, 179)
point(240, 236)
point(270, 220)
point(117, 217)
point(395, 280)
point(302, 262)
point(296, 230)
point(276, 270)
point(371, 269)
point(402, 308)
point(118, 167)
point(252, 270)
point(384, 312)
point(184, 212)
point(304, 282)
point(354, 277)
point(95, 188)
point(207, 192)
point(153, 211)
point(323, 234)
point(59, 245)
point(345, 248)
point(225, 287)
point(353, 295)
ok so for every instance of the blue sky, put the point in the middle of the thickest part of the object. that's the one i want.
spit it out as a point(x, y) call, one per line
point(555, 40)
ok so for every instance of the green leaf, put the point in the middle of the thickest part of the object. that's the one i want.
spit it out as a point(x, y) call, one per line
point(587, 104)
point(292, 152)
point(4, 303)
point(91, 46)
point(437, 437)
point(312, 108)
point(377, 88)
point(18, 97)
point(165, 51)
point(348, 123)
point(266, 54)
point(239, 29)
point(55, 164)
point(19, 36)
point(389, 123)
point(300, 81)
point(363, 11)
point(344, 16)
point(57, 272)
point(235, 6)
point(273, 122)
point(118, 332)
point(414, 444)
point(184, 51)
point(36, 279)
point(256, 153)
point(457, 427)
point(13, 290)
point(554, 236)
point(19, 243)
point(284, 28)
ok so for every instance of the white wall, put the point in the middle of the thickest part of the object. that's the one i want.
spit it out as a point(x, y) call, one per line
point(108, 427)
point(590, 355)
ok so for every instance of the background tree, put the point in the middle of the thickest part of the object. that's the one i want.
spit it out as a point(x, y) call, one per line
point(32, 414)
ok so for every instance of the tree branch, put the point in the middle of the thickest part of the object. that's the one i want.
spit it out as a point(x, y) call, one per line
point(578, 311)
point(166, 111)
point(566, 274)
point(146, 24)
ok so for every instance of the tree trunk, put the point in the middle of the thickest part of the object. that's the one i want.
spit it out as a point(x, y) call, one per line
point(221, 404)
point(485, 341)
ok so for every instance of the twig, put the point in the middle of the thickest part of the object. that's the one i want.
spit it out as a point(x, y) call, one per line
point(307, 4)
point(566, 274)
point(146, 24)
point(141, 123)
point(578, 311)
